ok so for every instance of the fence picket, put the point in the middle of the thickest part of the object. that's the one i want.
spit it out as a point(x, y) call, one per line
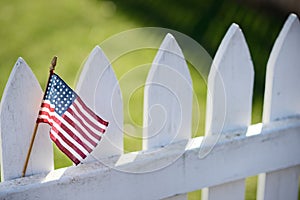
point(230, 190)
point(282, 99)
point(281, 184)
point(99, 89)
point(229, 100)
point(167, 97)
point(283, 72)
point(18, 112)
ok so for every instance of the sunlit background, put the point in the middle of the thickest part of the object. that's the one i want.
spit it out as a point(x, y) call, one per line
point(36, 30)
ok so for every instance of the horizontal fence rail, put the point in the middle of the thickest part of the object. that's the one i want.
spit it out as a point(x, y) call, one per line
point(171, 163)
point(187, 173)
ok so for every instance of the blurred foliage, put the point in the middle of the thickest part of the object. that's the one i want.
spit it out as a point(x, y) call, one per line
point(207, 22)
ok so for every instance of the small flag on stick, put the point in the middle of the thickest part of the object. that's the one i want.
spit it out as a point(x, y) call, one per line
point(75, 129)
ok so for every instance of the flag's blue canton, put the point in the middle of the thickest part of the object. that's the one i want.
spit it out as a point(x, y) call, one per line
point(59, 94)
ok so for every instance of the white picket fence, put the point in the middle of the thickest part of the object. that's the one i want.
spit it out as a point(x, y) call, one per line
point(169, 165)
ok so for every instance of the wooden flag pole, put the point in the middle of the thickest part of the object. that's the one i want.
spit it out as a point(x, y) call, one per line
point(51, 71)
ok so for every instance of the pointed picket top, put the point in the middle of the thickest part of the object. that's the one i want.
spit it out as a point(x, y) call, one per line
point(281, 100)
point(19, 107)
point(230, 85)
point(229, 101)
point(99, 89)
point(167, 97)
point(282, 94)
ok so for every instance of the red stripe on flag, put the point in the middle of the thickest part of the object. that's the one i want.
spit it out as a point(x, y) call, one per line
point(95, 126)
point(40, 120)
point(91, 112)
point(72, 123)
point(86, 118)
point(44, 120)
point(70, 133)
point(83, 123)
point(63, 149)
point(68, 142)
point(47, 105)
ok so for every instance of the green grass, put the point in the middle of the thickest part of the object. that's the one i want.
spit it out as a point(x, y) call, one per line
point(36, 30)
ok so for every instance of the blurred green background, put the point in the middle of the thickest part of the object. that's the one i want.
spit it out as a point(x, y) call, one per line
point(36, 30)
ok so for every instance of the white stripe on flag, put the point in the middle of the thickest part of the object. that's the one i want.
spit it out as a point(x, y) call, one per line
point(79, 135)
point(68, 137)
point(45, 109)
point(89, 116)
point(65, 145)
point(48, 102)
point(80, 126)
point(97, 132)
point(45, 117)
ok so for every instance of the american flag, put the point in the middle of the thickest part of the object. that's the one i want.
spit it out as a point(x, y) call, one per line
point(75, 129)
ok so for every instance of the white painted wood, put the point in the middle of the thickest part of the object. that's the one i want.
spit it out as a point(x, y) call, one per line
point(229, 100)
point(230, 85)
point(282, 97)
point(99, 89)
point(230, 190)
point(281, 184)
point(167, 97)
point(225, 163)
point(19, 108)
